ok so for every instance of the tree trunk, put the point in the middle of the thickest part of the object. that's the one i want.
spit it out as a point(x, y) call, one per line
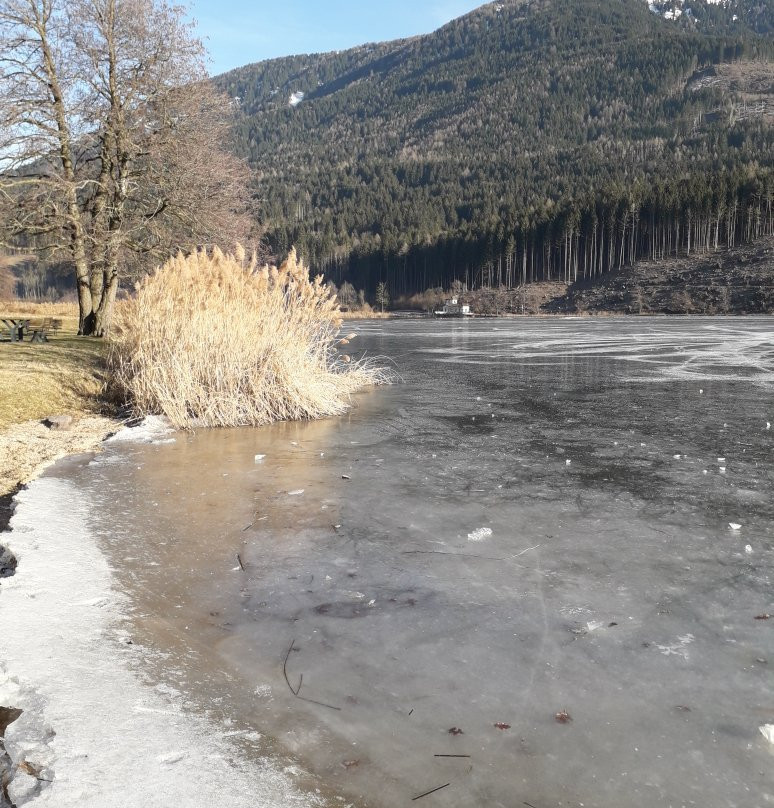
point(104, 312)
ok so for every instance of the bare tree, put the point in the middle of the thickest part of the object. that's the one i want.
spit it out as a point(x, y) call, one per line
point(112, 141)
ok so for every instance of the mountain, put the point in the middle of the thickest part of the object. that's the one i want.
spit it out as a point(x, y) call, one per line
point(720, 16)
point(525, 139)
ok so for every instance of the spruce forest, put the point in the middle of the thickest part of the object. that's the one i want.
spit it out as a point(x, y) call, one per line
point(526, 141)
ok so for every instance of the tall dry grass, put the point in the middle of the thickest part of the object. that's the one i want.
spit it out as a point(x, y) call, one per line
point(211, 339)
point(11, 307)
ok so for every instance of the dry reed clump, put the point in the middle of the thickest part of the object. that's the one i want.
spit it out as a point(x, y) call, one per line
point(211, 339)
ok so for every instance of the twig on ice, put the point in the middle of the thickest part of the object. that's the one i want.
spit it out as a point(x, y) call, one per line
point(296, 691)
point(432, 791)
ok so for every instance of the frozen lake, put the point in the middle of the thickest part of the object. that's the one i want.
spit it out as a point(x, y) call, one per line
point(533, 524)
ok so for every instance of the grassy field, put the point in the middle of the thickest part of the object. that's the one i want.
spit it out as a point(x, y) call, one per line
point(64, 375)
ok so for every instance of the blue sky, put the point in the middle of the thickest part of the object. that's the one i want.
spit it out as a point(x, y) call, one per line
point(237, 32)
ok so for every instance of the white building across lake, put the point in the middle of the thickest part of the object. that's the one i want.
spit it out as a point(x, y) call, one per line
point(453, 308)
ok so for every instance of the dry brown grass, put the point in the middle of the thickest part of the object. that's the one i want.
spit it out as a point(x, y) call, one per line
point(365, 313)
point(25, 308)
point(212, 340)
point(63, 375)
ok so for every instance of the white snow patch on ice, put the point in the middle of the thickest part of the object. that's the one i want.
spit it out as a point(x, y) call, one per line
point(480, 534)
point(677, 648)
point(103, 738)
point(152, 429)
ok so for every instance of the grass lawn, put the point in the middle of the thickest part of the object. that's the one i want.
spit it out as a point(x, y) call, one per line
point(64, 375)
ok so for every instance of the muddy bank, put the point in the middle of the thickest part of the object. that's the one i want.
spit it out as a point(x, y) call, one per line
point(26, 449)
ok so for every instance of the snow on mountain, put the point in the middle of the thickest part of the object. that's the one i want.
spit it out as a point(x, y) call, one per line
point(672, 9)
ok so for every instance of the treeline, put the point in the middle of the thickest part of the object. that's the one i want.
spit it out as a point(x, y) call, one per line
point(730, 15)
point(584, 237)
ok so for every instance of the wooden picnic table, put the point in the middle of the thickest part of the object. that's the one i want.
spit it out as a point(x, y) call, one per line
point(39, 328)
point(15, 327)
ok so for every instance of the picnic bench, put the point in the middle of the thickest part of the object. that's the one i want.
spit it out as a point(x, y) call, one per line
point(14, 327)
point(40, 328)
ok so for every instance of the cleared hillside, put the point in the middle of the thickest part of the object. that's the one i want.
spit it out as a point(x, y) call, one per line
point(736, 281)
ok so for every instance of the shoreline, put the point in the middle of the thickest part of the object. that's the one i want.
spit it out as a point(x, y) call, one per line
point(28, 448)
point(72, 671)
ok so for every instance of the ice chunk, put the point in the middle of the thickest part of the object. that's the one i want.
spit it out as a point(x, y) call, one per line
point(767, 730)
point(259, 458)
point(748, 549)
point(23, 787)
point(151, 429)
point(734, 525)
point(296, 493)
point(593, 625)
point(171, 757)
point(480, 534)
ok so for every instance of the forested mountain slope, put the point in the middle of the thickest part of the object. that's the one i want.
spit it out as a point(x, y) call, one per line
point(524, 141)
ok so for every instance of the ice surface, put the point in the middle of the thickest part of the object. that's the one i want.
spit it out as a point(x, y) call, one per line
point(365, 624)
point(97, 736)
